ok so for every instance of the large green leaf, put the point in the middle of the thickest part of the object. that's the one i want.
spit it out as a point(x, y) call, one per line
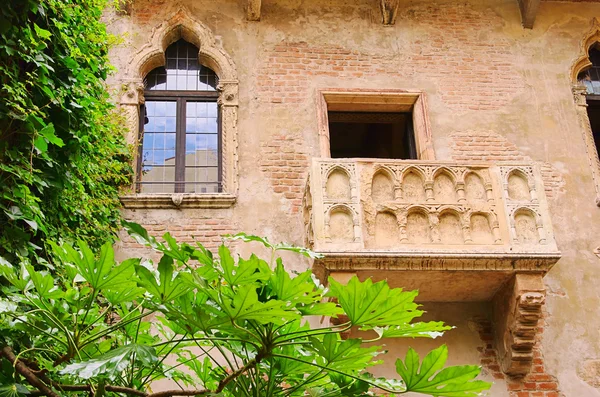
point(42, 281)
point(370, 305)
point(165, 286)
point(432, 329)
point(430, 377)
point(102, 273)
point(299, 289)
point(275, 247)
point(343, 355)
point(113, 363)
point(141, 235)
point(13, 390)
point(245, 272)
point(244, 305)
point(20, 281)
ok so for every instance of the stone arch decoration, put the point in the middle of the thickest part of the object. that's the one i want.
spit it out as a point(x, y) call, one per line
point(383, 186)
point(444, 185)
point(337, 184)
point(581, 63)
point(341, 224)
point(152, 54)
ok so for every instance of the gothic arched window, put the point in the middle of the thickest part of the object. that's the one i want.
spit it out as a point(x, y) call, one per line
point(591, 79)
point(180, 149)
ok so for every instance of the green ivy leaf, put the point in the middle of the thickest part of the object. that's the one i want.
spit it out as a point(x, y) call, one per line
point(42, 33)
point(48, 133)
point(430, 377)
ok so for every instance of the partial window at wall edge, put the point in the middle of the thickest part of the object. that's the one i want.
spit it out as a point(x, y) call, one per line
point(590, 78)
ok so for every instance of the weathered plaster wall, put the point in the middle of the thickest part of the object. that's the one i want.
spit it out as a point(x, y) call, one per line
point(495, 92)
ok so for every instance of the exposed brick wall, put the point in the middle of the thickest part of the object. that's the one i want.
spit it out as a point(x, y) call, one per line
point(205, 230)
point(145, 11)
point(487, 146)
point(470, 72)
point(285, 162)
point(538, 383)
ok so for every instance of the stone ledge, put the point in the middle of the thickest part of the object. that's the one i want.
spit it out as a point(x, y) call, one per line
point(177, 201)
point(431, 260)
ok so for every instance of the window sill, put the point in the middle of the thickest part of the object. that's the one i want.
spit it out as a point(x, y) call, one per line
point(177, 200)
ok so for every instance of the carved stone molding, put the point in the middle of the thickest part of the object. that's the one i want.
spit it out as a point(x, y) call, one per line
point(398, 206)
point(211, 54)
point(182, 25)
point(367, 100)
point(583, 62)
point(579, 95)
point(517, 311)
point(177, 201)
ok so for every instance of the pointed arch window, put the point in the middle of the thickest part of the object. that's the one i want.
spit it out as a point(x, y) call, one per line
point(180, 131)
point(590, 78)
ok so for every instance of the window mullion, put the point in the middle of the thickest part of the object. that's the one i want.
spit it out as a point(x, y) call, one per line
point(180, 147)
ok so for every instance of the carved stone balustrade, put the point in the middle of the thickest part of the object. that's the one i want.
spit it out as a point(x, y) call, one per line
point(456, 232)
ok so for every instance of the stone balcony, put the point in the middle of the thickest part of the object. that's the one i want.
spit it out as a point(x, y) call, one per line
point(456, 232)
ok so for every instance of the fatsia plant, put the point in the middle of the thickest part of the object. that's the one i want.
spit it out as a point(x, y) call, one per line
point(212, 325)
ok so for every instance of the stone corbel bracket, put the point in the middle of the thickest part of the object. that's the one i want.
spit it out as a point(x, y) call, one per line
point(529, 10)
point(517, 312)
point(389, 10)
point(253, 10)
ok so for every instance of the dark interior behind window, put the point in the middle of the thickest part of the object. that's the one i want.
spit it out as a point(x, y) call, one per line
point(371, 135)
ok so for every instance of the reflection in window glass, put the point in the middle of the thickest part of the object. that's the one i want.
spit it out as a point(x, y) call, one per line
point(158, 147)
point(180, 149)
point(201, 147)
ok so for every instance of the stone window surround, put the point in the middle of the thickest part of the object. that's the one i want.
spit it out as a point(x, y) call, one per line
point(579, 93)
point(211, 55)
point(348, 100)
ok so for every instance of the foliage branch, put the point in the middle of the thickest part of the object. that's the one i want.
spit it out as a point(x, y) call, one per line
point(213, 325)
point(62, 152)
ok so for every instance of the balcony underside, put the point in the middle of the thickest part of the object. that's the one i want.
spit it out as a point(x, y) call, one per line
point(455, 232)
point(439, 277)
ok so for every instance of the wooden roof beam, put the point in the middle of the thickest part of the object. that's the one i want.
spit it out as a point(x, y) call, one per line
point(529, 10)
point(389, 9)
point(253, 10)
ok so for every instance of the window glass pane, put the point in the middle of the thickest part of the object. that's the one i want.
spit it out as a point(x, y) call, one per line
point(182, 71)
point(158, 147)
point(201, 147)
point(201, 134)
point(201, 180)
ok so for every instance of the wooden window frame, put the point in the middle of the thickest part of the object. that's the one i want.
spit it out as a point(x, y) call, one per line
point(364, 100)
point(181, 98)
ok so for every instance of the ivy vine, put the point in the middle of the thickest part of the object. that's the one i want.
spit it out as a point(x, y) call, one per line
point(63, 156)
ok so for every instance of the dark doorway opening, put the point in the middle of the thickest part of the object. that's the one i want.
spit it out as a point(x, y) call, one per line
point(371, 135)
point(594, 116)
